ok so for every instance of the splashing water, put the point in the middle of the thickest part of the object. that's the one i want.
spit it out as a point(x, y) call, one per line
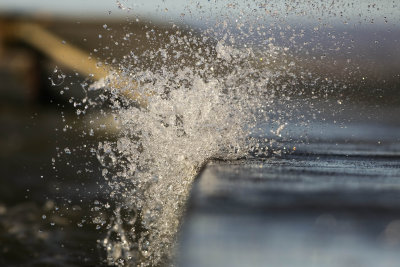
point(191, 115)
point(185, 115)
point(197, 97)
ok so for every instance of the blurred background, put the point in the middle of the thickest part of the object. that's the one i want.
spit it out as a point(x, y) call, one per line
point(50, 183)
point(50, 51)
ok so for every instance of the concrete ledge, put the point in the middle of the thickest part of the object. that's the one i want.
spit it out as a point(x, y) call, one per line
point(296, 210)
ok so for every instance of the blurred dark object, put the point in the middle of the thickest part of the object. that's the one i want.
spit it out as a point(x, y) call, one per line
point(25, 48)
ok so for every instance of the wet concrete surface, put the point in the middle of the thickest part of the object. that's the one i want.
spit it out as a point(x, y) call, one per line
point(326, 203)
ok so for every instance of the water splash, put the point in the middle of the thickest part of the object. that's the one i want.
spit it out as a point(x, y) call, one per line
point(196, 97)
point(173, 115)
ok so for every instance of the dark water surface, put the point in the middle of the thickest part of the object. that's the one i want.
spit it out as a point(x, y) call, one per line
point(43, 203)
